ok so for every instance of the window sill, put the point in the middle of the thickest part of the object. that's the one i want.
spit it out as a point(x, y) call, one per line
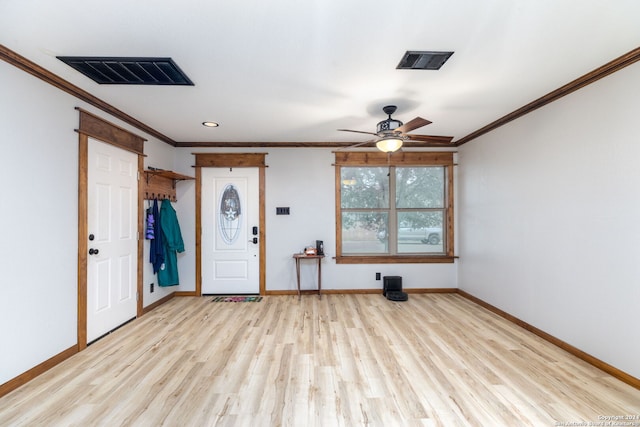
point(407, 259)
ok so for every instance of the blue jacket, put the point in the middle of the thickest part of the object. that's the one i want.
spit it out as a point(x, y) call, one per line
point(157, 246)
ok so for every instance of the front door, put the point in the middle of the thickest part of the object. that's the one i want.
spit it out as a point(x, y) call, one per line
point(230, 217)
point(112, 211)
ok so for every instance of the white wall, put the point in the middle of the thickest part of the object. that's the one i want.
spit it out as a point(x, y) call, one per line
point(39, 217)
point(39, 214)
point(302, 179)
point(549, 219)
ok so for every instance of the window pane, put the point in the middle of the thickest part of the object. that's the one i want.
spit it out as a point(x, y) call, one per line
point(420, 187)
point(363, 232)
point(420, 232)
point(364, 188)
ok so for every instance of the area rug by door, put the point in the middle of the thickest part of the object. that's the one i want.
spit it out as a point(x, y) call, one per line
point(237, 299)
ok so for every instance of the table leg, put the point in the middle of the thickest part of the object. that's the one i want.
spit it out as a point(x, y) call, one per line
point(298, 276)
point(319, 278)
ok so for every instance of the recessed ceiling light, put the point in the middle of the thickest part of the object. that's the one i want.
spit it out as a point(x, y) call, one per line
point(210, 124)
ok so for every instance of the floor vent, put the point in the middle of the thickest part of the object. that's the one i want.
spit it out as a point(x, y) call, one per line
point(421, 60)
point(128, 71)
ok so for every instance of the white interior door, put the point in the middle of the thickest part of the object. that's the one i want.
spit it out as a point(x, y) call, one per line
point(112, 230)
point(230, 217)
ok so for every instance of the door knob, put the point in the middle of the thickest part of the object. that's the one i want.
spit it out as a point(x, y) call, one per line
point(254, 241)
point(93, 251)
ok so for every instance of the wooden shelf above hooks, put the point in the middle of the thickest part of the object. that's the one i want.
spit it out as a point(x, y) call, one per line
point(161, 184)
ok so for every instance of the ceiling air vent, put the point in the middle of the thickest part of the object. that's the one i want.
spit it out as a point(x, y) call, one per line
point(128, 71)
point(421, 60)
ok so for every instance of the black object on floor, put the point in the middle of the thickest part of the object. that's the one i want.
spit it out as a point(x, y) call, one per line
point(397, 296)
point(392, 288)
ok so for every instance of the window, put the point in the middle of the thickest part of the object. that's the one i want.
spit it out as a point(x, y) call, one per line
point(394, 209)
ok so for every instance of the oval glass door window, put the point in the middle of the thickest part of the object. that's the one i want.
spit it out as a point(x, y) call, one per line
point(230, 212)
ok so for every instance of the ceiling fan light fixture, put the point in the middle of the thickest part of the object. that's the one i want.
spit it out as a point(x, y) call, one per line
point(389, 145)
point(388, 124)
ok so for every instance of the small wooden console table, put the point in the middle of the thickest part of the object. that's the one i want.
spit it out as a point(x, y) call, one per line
point(299, 257)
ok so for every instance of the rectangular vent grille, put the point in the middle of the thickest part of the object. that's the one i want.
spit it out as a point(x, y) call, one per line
point(421, 60)
point(128, 71)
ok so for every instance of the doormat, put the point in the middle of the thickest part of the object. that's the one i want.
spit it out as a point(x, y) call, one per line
point(237, 299)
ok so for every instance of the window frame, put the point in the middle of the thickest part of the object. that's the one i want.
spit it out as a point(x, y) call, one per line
point(400, 159)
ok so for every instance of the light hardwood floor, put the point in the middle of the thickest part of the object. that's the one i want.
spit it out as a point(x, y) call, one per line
point(344, 360)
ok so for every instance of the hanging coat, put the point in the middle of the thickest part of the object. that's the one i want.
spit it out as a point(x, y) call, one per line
point(172, 241)
point(149, 230)
point(156, 256)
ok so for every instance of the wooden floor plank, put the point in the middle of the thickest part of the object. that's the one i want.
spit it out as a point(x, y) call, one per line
point(343, 360)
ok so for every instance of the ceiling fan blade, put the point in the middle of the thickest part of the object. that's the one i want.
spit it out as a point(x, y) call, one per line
point(356, 145)
point(358, 131)
point(416, 123)
point(433, 139)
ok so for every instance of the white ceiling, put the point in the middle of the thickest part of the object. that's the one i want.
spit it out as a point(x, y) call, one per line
point(297, 70)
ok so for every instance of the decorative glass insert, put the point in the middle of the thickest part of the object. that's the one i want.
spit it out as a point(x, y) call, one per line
point(229, 214)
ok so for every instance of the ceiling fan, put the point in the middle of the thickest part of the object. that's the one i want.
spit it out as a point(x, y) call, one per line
point(391, 133)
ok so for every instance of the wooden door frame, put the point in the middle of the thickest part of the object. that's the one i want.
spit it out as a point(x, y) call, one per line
point(230, 160)
point(101, 130)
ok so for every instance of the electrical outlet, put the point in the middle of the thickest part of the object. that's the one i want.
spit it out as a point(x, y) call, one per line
point(377, 276)
point(151, 288)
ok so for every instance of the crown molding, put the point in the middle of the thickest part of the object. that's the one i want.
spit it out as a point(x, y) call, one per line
point(603, 71)
point(34, 69)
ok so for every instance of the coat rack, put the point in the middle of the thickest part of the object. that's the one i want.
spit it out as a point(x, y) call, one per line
point(161, 184)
